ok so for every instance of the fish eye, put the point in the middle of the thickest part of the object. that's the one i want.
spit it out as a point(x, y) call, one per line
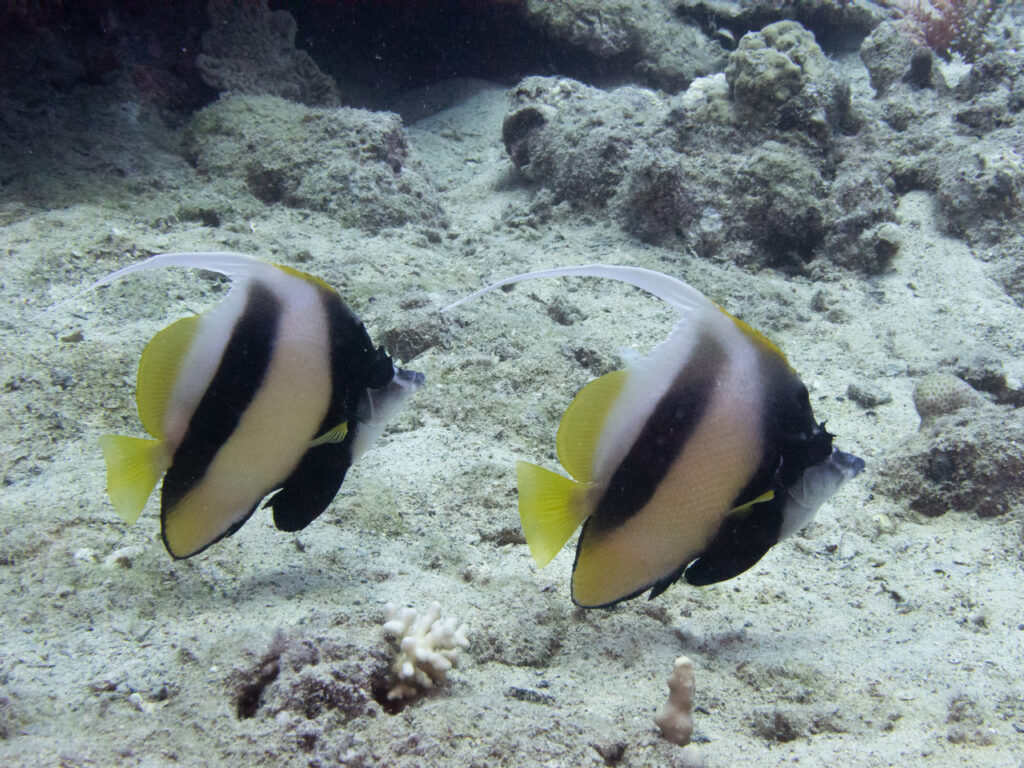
point(382, 370)
point(819, 446)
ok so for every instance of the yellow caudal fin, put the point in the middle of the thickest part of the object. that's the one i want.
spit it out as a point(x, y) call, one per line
point(583, 422)
point(550, 509)
point(159, 369)
point(134, 466)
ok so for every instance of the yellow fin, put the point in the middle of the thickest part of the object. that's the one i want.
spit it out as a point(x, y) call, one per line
point(744, 508)
point(134, 466)
point(583, 422)
point(159, 369)
point(550, 509)
point(335, 435)
point(755, 335)
point(312, 279)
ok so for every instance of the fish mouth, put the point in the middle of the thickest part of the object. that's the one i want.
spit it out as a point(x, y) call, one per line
point(849, 465)
point(381, 404)
point(411, 379)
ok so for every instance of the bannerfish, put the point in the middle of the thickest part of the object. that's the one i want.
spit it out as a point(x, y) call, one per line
point(693, 462)
point(275, 390)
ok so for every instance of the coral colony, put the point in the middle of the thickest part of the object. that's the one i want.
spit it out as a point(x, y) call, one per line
point(428, 646)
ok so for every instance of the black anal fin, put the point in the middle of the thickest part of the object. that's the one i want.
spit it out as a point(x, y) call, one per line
point(662, 584)
point(742, 540)
point(311, 486)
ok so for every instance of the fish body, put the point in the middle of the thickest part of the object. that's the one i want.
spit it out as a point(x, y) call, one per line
point(277, 389)
point(691, 463)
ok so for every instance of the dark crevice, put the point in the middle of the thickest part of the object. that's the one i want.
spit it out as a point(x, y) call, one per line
point(379, 49)
point(247, 699)
point(381, 686)
point(833, 29)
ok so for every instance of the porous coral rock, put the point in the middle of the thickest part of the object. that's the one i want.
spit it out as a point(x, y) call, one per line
point(351, 163)
point(707, 99)
point(646, 35)
point(428, 647)
point(984, 180)
point(970, 460)
point(579, 140)
point(680, 169)
point(306, 676)
point(760, 76)
point(938, 394)
point(785, 205)
point(780, 75)
point(886, 53)
point(862, 234)
point(251, 49)
point(844, 23)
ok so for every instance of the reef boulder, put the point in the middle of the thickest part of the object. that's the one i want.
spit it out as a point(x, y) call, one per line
point(648, 37)
point(780, 76)
point(599, 149)
point(350, 163)
point(250, 49)
point(965, 458)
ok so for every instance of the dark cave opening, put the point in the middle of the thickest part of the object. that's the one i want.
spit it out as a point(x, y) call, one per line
point(379, 49)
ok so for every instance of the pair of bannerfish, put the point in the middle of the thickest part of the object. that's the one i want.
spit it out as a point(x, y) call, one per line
point(691, 463)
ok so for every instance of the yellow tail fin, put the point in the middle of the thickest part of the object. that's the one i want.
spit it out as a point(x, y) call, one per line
point(134, 466)
point(550, 509)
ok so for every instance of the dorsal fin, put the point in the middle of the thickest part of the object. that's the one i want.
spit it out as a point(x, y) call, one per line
point(229, 263)
point(583, 422)
point(159, 369)
point(755, 335)
point(682, 296)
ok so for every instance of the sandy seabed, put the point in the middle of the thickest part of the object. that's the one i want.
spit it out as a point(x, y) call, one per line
point(874, 638)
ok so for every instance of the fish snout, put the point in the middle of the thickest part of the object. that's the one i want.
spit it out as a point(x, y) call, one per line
point(849, 465)
point(412, 379)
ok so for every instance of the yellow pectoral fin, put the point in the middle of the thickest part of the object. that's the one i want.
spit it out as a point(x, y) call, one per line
point(335, 435)
point(583, 422)
point(744, 508)
point(134, 466)
point(550, 509)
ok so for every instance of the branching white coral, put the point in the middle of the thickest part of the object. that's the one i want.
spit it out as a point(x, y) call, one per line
point(428, 646)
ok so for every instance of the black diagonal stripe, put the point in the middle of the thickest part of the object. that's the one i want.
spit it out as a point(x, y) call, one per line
point(238, 378)
point(312, 485)
point(783, 413)
point(791, 438)
point(664, 435)
point(790, 442)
